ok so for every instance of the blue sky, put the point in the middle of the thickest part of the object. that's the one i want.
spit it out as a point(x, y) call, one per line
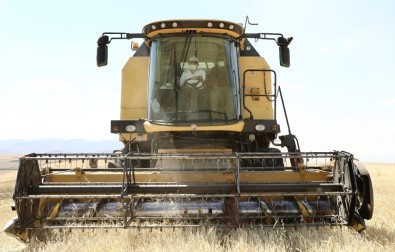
point(339, 91)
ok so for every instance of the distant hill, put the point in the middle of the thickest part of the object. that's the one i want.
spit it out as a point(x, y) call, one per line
point(54, 145)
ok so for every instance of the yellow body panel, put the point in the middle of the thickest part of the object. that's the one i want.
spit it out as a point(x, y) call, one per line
point(134, 90)
point(194, 177)
point(198, 150)
point(261, 107)
point(237, 127)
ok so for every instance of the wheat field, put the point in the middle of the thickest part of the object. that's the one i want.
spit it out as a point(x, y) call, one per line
point(379, 236)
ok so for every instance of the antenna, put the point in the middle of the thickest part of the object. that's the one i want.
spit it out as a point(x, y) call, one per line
point(248, 21)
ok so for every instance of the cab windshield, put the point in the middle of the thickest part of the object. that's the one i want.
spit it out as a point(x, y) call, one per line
point(193, 79)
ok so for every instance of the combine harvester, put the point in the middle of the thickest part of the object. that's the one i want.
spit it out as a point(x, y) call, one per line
point(199, 125)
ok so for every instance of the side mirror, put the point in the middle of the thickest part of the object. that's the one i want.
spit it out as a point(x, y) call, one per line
point(102, 51)
point(284, 51)
point(284, 56)
point(102, 55)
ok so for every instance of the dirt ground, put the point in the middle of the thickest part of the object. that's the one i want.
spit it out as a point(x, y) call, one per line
point(9, 162)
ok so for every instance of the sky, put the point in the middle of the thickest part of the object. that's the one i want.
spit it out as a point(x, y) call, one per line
point(339, 91)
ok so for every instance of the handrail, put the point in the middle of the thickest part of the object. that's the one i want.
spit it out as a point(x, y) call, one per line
point(274, 95)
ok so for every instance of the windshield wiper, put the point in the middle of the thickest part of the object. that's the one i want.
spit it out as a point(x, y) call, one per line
point(184, 53)
point(178, 67)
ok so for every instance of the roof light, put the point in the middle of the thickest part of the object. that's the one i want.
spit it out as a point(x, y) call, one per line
point(163, 25)
point(260, 127)
point(231, 27)
point(135, 46)
point(221, 25)
point(209, 24)
point(153, 27)
point(174, 24)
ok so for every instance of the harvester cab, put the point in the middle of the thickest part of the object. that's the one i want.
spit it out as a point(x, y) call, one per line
point(199, 126)
point(230, 97)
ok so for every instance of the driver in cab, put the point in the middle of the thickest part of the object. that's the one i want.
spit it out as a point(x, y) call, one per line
point(194, 77)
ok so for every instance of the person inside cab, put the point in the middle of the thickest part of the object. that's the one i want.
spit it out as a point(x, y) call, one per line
point(193, 77)
point(191, 95)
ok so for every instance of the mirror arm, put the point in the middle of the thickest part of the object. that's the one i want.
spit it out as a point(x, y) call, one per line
point(122, 35)
point(104, 40)
point(262, 35)
point(282, 43)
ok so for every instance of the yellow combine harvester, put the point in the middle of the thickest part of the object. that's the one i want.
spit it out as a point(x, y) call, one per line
point(199, 128)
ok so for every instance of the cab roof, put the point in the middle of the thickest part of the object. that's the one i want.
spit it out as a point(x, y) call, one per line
point(153, 29)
